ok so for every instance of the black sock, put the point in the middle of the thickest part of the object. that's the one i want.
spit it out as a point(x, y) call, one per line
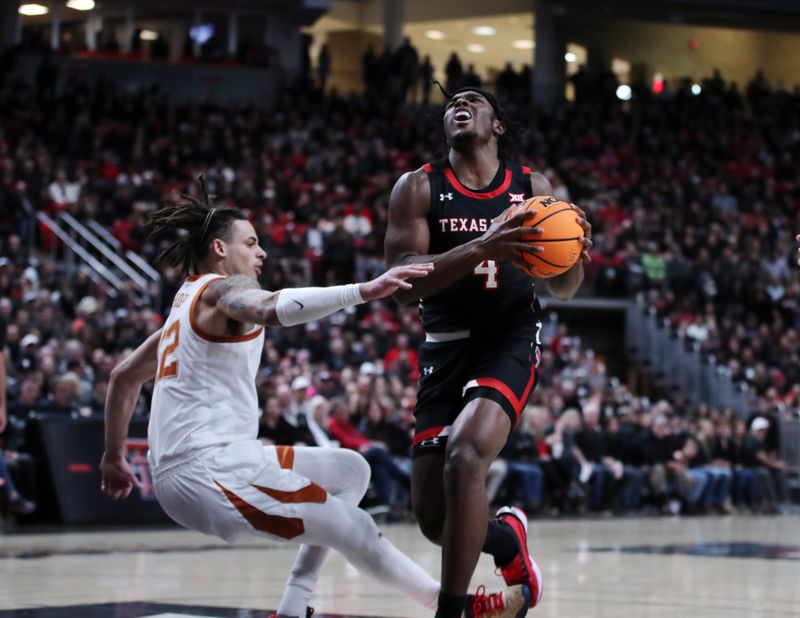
point(451, 605)
point(501, 542)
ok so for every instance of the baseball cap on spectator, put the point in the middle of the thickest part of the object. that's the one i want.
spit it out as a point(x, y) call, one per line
point(30, 275)
point(759, 423)
point(29, 339)
point(87, 306)
point(368, 368)
point(300, 382)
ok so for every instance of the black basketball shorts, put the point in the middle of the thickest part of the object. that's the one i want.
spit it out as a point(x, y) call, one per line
point(453, 373)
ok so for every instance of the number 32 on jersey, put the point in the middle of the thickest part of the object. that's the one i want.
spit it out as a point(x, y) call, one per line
point(490, 270)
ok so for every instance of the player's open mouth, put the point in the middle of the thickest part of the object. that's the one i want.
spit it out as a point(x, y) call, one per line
point(462, 115)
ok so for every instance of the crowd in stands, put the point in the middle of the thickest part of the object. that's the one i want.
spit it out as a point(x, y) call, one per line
point(205, 43)
point(694, 201)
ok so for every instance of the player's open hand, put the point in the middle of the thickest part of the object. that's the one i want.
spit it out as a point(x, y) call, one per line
point(118, 477)
point(587, 233)
point(394, 279)
point(508, 236)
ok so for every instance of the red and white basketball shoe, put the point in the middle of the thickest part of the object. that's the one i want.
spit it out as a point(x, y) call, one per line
point(512, 602)
point(523, 568)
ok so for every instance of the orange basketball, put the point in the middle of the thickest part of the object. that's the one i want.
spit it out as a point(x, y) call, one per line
point(561, 240)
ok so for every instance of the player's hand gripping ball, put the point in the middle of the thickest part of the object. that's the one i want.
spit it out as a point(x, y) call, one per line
point(561, 238)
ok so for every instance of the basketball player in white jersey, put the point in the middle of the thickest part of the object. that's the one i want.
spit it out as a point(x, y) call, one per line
point(210, 473)
point(797, 239)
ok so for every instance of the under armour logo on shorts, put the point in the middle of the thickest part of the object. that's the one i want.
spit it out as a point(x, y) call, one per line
point(445, 196)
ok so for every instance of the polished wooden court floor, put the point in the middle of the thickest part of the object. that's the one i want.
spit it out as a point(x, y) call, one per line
point(698, 567)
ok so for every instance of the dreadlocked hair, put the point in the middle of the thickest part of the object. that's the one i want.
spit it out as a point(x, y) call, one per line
point(194, 223)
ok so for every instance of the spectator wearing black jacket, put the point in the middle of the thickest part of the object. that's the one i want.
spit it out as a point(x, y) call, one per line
point(768, 468)
point(728, 448)
point(656, 448)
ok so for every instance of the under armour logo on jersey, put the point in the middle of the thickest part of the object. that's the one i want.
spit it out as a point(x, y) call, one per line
point(426, 371)
point(445, 196)
point(516, 197)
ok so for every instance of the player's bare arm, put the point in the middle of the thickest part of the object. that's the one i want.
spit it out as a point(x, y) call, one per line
point(124, 386)
point(3, 415)
point(408, 240)
point(797, 239)
point(241, 298)
point(565, 285)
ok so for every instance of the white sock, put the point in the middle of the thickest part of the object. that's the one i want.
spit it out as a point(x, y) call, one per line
point(340, 524)
point(342, 473)
point(353, 532)
point(302, 579)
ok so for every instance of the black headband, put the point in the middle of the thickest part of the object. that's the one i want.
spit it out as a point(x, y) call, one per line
point(207, 222)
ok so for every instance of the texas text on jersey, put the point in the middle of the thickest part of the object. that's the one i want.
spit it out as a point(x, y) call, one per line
point(494, 293)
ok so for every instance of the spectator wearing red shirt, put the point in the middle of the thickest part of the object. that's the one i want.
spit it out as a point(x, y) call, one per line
point(385, 472)
point(402, 359)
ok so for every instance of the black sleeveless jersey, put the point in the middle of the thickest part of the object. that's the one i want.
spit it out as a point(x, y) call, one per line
point(495, 295)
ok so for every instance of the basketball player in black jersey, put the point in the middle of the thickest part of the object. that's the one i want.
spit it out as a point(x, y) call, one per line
point(478, 364)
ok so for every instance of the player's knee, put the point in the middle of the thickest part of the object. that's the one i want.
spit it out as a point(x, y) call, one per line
point(431, 523)
point(354, 474)
point(463, 459)
point(361, 472)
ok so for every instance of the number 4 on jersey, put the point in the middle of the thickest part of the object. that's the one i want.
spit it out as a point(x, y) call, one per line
point(488, 269)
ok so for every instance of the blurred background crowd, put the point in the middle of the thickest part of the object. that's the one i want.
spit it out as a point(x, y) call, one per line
point(694, 199)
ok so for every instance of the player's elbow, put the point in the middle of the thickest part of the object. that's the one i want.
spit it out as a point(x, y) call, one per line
point(563, 287)
point(269, 314)
point(562, 295)
point(121, 375)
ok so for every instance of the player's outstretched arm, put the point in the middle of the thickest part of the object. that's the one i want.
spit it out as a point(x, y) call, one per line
point(242, 299)
point(408, 240)
point(124, 386)
point(797, 239)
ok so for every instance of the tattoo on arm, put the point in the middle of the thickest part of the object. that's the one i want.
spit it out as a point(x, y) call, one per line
point(242, 299)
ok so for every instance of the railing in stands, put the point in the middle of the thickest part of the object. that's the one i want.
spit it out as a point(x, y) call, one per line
point(133, 258)
point(103, 233)
point(108, 249)
point(149, 272)
point(678, 365)
point(95, 269)
point(790, 450)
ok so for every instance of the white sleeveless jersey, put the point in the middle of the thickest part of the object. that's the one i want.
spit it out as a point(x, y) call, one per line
point(205, 391)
